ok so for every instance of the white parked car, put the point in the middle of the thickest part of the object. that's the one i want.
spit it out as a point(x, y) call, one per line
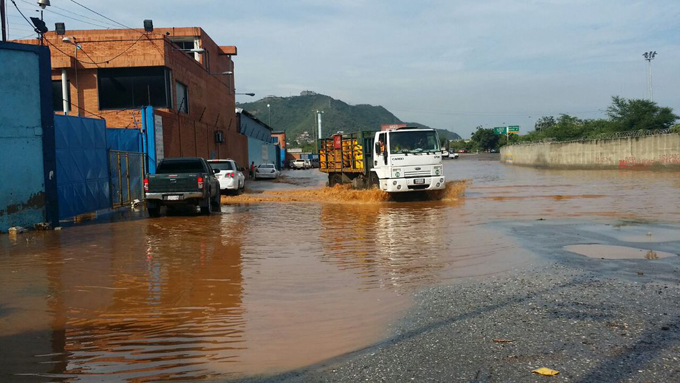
point(299, 164)
point(308, 164)
point(229, 175)
point(266, 171)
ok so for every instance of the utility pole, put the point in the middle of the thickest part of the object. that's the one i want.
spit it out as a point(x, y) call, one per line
point(318, 116)
point(2, 20)
point(649, 56)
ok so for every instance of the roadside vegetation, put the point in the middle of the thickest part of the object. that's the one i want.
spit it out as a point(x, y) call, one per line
point(624, 116)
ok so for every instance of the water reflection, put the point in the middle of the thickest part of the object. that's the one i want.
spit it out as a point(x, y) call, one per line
point(387, 245)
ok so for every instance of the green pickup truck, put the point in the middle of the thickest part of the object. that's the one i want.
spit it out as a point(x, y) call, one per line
point(182, 181)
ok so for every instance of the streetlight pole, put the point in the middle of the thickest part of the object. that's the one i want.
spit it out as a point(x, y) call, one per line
point(270, 115)
point(318, 116)
point(2, 20)
point(649, 56)
point(72, 40)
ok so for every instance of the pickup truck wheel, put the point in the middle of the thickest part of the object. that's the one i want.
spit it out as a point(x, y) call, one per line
point(206, 206)
point(154, 211)
point(216, 202)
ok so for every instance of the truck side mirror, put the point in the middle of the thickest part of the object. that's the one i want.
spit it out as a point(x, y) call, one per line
point(377, 148)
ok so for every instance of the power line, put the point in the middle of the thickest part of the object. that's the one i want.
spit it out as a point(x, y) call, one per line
point(93, 62)
point(68, 17)
point(83, 109)
point(22, 15)
point(79, 15)
point(160, 50)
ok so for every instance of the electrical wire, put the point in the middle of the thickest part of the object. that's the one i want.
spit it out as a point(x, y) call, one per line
point(69, 17)
point(160, 50)
point(83, 109)
point(22, 15)
point(82, 16)
point(93, 62)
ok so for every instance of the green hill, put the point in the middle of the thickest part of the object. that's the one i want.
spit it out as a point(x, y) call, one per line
point(297, 114)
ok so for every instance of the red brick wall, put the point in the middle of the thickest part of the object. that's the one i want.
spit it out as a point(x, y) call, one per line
point(211, 97)
point(184, 137)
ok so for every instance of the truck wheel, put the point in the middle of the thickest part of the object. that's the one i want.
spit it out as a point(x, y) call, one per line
point(216, 202)
point(334, 179)
point(373, 181)
point(206, 206)
point(154, 211)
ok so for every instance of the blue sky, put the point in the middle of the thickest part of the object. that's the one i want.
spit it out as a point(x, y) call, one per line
point(447, 64)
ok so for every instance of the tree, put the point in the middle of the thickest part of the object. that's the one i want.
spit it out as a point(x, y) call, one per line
point(545, 122)
point(485, 139)
point(639, 115)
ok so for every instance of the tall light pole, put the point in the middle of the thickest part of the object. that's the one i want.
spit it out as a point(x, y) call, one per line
point(72, 40)
point(649, 56)
point(2, 20)
point(269, 108)
point(318, 117)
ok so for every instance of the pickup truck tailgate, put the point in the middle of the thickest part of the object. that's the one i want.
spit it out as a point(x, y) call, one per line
point(170, 184)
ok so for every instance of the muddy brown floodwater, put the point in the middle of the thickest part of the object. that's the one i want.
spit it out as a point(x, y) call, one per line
point(287, 275)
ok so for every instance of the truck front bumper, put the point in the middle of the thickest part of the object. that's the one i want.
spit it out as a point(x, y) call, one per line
point(399, 185)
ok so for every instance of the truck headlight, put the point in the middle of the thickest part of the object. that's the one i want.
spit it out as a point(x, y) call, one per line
point(437, 170)
point(396, 172)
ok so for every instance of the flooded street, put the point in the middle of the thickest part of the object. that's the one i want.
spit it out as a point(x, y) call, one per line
point(288, 275)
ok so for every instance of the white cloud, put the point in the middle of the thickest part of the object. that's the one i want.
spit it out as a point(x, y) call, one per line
point(448, 64)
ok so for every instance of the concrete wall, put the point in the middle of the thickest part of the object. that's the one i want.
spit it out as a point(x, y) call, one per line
point(659, 151)
point(22, 189)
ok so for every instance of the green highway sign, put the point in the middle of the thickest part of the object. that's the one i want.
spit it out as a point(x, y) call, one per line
point(513, 129)
point(499, 130)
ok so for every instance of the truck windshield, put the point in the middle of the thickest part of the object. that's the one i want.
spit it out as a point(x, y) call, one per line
point(413, 141)
point(180, 167)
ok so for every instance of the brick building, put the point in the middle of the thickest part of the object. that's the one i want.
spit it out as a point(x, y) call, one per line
point(181, 72)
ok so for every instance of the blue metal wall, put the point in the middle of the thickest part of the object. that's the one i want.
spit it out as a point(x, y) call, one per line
point(25, 136)
point(82, 165)
point(125, 140)
point(256, 152)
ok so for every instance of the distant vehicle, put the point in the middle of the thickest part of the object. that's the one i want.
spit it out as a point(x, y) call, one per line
point(229, 175)
point(266, 171)
point(397, 159)
point(493, 151)
point(291, 164)
point(462, 151)
point(298, 164)
point(308, 164)
point(182, 181)
point(453, 155)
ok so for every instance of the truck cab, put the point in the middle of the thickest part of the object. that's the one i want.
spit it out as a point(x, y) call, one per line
point(407, 159)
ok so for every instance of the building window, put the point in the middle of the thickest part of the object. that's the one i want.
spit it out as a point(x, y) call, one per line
point(182, 93)
point(122, 88)
point(57, 95)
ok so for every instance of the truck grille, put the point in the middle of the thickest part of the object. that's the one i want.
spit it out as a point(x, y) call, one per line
point(416, 173)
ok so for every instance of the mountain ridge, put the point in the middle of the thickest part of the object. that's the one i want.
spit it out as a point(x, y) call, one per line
point(297, 114)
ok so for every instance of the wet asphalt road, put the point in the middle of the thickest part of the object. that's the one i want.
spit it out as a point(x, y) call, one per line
point(295, 282)
point(593, 320)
